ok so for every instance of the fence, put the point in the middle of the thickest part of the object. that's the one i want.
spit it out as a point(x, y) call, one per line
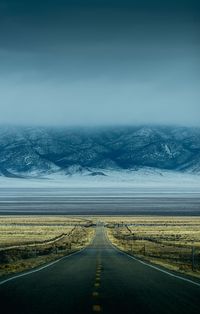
point(184, 256)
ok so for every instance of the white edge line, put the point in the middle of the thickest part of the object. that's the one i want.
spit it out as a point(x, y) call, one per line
point(152, 266)
point(45, 266)
point(38, 269)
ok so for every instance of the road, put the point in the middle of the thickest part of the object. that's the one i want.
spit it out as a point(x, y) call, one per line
point(99, 279)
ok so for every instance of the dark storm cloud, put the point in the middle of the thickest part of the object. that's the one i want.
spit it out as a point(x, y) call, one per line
point(99, 61)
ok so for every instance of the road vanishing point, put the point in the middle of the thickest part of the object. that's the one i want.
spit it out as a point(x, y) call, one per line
point(99, 279)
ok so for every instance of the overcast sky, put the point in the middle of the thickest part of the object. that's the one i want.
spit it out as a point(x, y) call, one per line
point(99, 62)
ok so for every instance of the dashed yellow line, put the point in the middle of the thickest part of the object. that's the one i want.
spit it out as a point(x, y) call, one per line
point(97, 285)
point(96, 308)
point(95, 294)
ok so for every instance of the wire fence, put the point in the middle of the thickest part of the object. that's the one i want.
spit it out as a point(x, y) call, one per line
point(186, 257)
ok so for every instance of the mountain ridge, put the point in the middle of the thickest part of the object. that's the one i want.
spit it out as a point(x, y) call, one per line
point(32, 151)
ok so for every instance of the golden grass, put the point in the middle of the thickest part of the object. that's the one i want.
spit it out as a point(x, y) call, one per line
point(167, 241)
point(29, 241)
point(17, 230)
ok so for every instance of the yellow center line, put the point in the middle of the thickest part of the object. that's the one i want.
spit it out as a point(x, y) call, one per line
point(96, 308)
point(97, 285)
point(95, 294)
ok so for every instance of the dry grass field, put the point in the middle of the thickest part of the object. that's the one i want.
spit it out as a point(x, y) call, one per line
point(172, 242)
point(29, 241)
point(26, 242)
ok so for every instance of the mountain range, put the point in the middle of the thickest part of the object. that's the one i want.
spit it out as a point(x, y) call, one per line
point(38, 151)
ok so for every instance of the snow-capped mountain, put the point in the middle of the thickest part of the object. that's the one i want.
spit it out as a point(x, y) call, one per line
point(40, 151)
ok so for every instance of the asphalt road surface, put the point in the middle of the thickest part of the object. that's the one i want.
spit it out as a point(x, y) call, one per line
point(99, 279)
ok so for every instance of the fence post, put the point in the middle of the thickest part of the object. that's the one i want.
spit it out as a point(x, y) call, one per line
point(193, 258)
point(144, 249)
point(34, 252)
